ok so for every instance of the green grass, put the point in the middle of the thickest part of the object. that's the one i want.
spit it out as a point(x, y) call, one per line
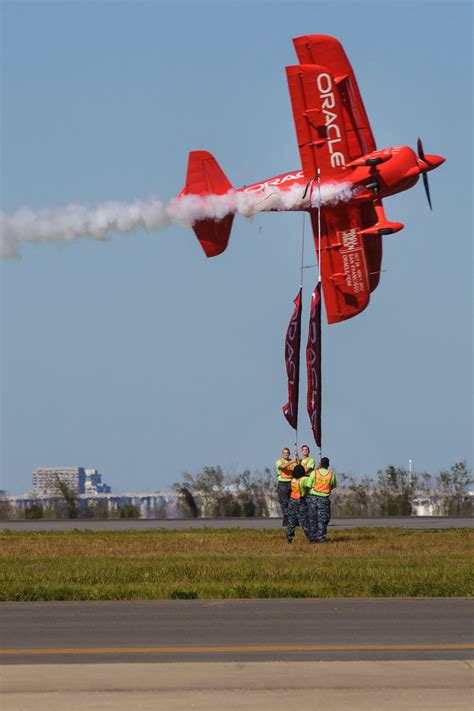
point(85, 565)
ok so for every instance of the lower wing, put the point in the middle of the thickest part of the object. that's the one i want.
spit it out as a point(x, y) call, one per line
point(350, 259)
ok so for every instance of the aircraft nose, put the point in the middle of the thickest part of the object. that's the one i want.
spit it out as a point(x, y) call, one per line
point(430, 162)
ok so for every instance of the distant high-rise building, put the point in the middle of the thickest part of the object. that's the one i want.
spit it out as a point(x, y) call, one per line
point(46, 480)
point(93, 483)
point(79, 479)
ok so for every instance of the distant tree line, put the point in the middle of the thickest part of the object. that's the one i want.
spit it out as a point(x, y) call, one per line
point(212, 493)
point(391, 493)
point(68, 506)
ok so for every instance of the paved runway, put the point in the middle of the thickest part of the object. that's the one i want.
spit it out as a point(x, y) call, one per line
point(173, 524)
point(237, 630)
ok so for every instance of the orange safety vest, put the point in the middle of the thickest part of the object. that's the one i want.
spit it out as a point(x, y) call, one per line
point(295, 489)
point(322, 482)
point(286, 473)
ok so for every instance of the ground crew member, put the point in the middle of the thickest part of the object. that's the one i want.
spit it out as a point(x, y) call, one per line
point(305, 460)
point(284, 471)
point(321, 482)
point(297, 507)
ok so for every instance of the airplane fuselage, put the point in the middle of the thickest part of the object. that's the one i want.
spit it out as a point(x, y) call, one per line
point(389, 171)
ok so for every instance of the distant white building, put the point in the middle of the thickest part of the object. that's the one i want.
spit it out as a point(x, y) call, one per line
point(156, 505)
point(422, 506)
point(428, 505)
point(46, 481)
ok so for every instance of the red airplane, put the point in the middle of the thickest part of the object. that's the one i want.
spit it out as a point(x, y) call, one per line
point(335, 141)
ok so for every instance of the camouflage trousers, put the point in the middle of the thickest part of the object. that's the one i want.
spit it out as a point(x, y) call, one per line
point(284, 491)
point(319, 514)
point(297, 514)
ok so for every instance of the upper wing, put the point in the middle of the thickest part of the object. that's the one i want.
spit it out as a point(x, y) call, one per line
point(350, 259)
point(326, 101)
point(317, 113)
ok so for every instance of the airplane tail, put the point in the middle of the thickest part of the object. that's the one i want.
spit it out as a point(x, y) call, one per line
point(205, 177)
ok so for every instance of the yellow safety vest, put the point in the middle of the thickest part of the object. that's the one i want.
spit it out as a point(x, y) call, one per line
point(286, 473)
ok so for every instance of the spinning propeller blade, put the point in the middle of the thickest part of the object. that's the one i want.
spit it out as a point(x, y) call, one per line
point(421, 155)
point(427, 190)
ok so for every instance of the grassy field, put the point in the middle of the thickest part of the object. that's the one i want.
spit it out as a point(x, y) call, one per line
point(213, 563)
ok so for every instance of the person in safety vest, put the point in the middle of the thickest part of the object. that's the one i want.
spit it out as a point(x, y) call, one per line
point(321, 482)
point(297, 507)
point(305, 459)
point(284, 472)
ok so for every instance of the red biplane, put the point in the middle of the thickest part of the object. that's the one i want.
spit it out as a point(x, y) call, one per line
point(335, 141)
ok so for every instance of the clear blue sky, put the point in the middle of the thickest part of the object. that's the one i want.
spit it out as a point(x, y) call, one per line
point(144, 359)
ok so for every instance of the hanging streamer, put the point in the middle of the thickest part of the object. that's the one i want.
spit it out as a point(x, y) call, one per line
point(292, 359)
point(313, 364)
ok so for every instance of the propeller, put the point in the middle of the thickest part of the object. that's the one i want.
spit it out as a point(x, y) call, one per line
point(421, 155)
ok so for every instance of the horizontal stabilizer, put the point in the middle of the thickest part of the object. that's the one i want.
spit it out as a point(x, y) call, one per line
point(205, 177)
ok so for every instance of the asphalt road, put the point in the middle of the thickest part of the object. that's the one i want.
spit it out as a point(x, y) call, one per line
point(173, 524)
point(237, 630)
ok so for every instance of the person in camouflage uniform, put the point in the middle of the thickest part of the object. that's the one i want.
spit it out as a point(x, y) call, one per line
point(321, 482)
point(297, 507)
point(284, 472)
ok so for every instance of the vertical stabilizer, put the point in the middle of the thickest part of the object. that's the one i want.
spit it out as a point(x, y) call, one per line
point(205, 177)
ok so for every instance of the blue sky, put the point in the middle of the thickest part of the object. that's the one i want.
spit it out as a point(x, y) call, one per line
point(140, 357)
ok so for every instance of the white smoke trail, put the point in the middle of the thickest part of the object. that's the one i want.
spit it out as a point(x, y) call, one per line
point(69, 223)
